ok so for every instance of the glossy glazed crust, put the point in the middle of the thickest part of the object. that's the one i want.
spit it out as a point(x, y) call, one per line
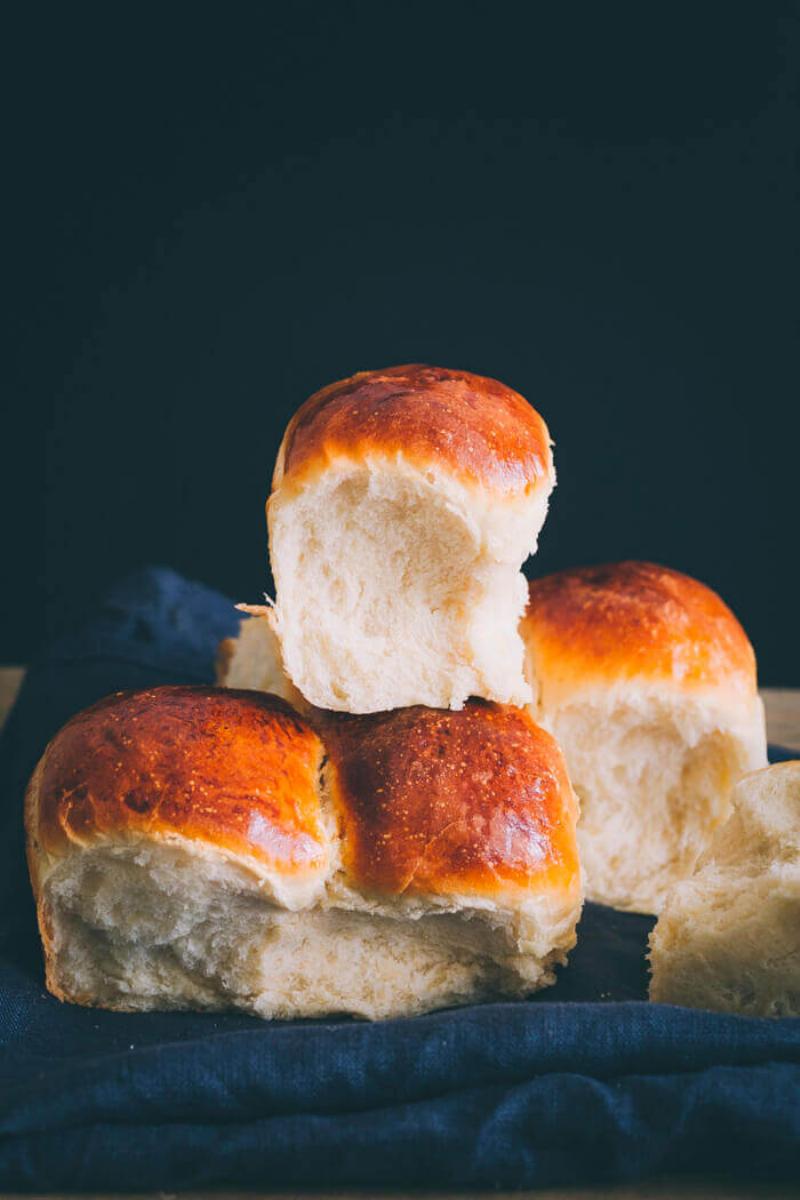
point(442, 802)
point(237, 770)
point(474, 427)
point(635, 620)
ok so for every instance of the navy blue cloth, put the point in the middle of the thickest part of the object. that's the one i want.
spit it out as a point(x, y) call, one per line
point(586, 1082)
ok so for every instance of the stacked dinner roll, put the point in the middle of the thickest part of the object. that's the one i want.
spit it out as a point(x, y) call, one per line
point(374, 814)
point(404, 503)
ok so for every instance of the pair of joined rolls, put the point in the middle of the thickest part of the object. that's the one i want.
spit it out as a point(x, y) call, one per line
point(648, 682)
point(208, 848)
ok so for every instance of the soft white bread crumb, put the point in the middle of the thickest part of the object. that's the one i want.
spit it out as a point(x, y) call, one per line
point(143, 926)
point(253, 659)
point(728, 938)
point(395, 589)
point(653, 769)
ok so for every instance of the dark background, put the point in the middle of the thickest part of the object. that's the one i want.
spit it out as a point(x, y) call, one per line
point(211, 214)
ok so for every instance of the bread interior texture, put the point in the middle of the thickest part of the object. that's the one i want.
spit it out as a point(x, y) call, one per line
point(252, 660)
point(173, 924)
point(654, 777)
point(395, 589)
point(728, 937)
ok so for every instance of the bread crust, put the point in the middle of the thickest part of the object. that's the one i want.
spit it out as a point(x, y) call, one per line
point(635, 620)
point(237, 770)
point(475, 801)
point(474, 427)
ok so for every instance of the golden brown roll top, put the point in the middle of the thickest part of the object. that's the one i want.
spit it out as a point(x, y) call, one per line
point(635, 620)
point(474, 802)
point(236, 771)
point(474, 427)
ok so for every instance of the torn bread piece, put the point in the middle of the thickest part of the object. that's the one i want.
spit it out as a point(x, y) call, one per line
point(728, 937)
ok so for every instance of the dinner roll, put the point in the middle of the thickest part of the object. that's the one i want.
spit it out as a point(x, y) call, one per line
point(648, 683)
point(403, 505)
point(201, 848)
point(727, 938)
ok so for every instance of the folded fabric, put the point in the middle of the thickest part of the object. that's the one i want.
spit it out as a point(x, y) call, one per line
point(584, 1083)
